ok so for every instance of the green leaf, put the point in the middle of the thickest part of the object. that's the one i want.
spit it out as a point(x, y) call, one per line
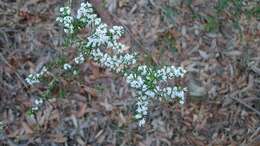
point(221, 5)
point(212, 24)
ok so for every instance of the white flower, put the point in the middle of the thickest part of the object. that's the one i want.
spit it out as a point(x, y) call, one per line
point(32, 79)
point(117, 32)
point(168, 72)
point(150, 93)
point(43, 71)
point(75, 72)
point(61, 9)
point(113, 62)
point(99, 37)
point(144, 88)
point(180, 93)
point(97, 21)
point(142, 69)
point(35, 108)
point(141, 122)
point(138, 116)
point(85, 15)
point(129, 59)
point(142, 109)
point(66, 66)
point(38, 101)
point(66, 19)
point(80, 59)
point(135, 82)
point(181, 101)
point(35, 78)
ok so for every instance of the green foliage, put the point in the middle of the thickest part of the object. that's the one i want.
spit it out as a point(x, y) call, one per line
point(238, 8)
point(100, 87)
point(51, 87)
point(170, 43)
point(221, 5)
point(254, 12)
point(188, 2)
point(30, 112)
point(62, 93)
point(212, 24)
point(58, 62)
point(148, 59)
point(169, 14)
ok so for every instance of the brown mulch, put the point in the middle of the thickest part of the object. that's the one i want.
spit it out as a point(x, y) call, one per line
point(223, 80)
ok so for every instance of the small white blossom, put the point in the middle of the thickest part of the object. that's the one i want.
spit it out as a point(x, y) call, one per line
point(138, 116)
point(142, 108)
point(66, 66)
point(169, 72)
point(150, 93)
point(85, 14)
point(35, 78)
point(66, 19)
point(112, 62)
point(38, 101)
point(35, 108)
point(143, 69)
point(141, 122)
point(117, 32)
point(80, 59)
point(181, 101)
point(97, 21)
point(43, 71)
point(75, 72)
point(99, 37)
point(32, 79)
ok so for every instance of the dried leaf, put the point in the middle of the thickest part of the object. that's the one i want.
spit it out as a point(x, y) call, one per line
point(59, 138)
point(108, 107)
point(82, 110)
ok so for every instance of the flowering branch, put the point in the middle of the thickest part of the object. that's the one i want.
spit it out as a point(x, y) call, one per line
point(103, 46)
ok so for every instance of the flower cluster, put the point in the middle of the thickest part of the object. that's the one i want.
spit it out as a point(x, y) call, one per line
point(66, 66)
point(105, 37)
point(101, 39)
point(109, 38)
point(37, 103)
point(86, 15)
point(146, 80)
point(142, 108)
point(169, 72)
point(35, 78)
point(115, 62)
point(103, 47)
point(80, 59)
point(66, 19)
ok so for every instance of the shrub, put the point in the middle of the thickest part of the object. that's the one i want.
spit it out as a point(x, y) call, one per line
point(103, 46)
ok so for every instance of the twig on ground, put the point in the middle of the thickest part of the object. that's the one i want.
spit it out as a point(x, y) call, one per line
point(246, 105)
point(232, 96)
